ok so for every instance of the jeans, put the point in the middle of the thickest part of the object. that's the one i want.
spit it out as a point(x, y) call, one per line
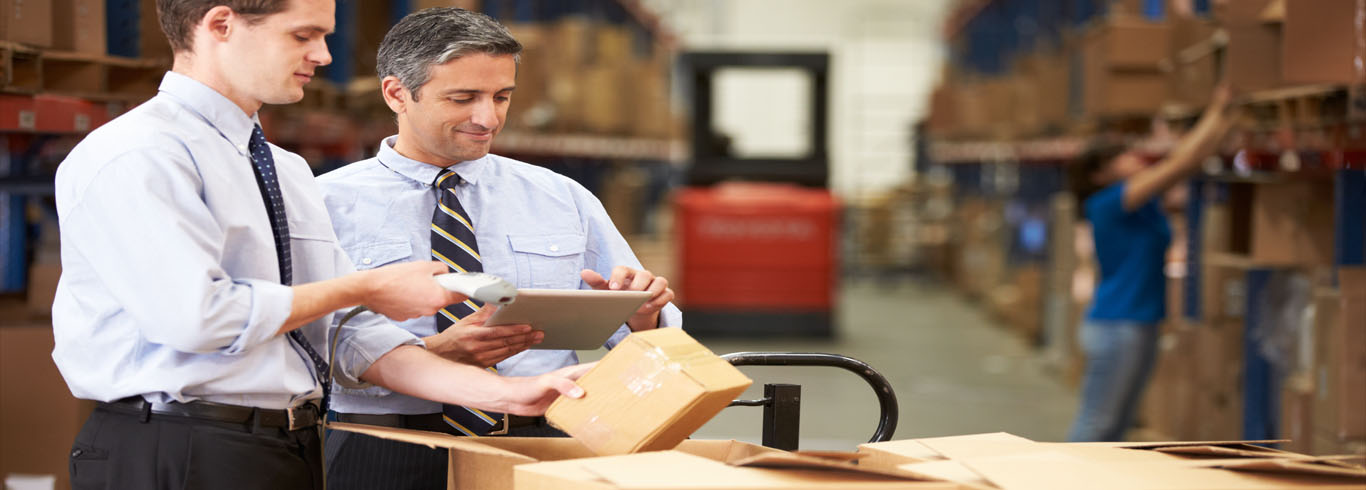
point(1119, 361)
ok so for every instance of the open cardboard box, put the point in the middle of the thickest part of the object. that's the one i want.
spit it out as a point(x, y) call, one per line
point(501, 463)
point(1004, 461)
point(486, 463)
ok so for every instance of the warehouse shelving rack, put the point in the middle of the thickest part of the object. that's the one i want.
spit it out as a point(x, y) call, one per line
point(49, 99)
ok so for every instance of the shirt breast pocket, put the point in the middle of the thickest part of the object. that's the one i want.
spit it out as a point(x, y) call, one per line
point(372, 255)
point(312, 246)
point(548, 261)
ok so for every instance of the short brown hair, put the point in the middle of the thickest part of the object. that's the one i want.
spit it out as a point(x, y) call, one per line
point(178, 17)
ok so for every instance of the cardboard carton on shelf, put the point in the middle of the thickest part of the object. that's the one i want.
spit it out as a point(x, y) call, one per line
point(1193, 61)
point(1120, 63)
point(1320, 41)
point(1348, 337)
point(1253, 59)
point(649, 393)
point(79, 25)
point(26, 22)
point(1292, 223)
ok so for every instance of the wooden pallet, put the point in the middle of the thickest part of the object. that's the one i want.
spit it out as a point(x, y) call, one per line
point(27, 70)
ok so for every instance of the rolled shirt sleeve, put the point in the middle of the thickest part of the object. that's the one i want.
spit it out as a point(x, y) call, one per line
point(363, 340)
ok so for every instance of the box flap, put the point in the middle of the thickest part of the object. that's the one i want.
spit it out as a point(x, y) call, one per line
point(907, 450)
point(1059, 470)
point(1105, 453)
point(1158, 444)
point(726, 451)
point(978, 445)
point(1324, 466)
point(948, 470)
point(423, 438)
point(540, 448)
point(797, 461)
point(1230, 451)
point(669, 469)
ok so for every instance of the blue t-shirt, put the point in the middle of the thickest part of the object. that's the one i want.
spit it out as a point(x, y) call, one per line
point(1132, 250)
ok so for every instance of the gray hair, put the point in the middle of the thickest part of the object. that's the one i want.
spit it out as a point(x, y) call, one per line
point(435, 36)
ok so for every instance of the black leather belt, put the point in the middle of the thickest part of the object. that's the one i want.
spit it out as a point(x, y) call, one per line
point(433, 422)
point(294, 418)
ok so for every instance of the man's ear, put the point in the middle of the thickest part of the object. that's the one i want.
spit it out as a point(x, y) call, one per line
point(217, 22)
point(396, 96)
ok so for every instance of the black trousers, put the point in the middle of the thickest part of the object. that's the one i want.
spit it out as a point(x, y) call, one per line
point(117, 450)
point(361, 462)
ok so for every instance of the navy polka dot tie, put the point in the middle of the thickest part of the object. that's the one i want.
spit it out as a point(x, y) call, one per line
point(269, 182)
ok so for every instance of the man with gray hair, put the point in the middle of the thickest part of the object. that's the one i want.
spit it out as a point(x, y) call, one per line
point(435, 191)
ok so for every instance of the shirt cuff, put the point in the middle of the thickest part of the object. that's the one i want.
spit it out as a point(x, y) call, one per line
point(360, 345)
point(669, 317)
point(271, 304)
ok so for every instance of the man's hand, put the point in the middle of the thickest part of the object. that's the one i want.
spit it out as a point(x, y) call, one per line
point(531, 396)
point(628, 279)
point(471, 342)
point(406, 291)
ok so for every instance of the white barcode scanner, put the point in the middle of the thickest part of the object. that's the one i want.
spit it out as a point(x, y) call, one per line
point(487, 288)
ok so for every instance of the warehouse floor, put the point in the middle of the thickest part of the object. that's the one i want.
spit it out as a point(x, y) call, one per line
point(953, 369)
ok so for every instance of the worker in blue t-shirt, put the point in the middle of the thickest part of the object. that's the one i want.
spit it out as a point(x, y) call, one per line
point(1120, 195)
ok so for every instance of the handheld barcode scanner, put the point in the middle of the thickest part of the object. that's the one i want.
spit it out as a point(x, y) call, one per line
point(488, 288)
point(479, 286)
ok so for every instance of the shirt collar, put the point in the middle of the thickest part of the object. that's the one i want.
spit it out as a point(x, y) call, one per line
point(469, 171)
point(216, 109)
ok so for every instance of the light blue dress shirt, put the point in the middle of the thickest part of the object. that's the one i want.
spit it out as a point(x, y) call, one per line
point(535, 228)
point(170, 285)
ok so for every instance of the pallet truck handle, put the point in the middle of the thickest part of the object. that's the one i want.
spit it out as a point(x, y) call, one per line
point(886, 397)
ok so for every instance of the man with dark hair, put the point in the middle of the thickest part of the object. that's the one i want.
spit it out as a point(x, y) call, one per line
point(434, 190)
point(201, 275)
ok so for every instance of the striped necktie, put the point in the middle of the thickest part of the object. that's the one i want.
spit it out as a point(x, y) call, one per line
point(269, 183)
point(453, 243)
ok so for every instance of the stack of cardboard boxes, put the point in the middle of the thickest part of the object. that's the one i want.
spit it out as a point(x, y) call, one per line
point(580, 76)
point(1127, 65)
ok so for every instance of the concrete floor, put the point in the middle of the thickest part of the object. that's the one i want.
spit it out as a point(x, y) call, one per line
point(953, 370)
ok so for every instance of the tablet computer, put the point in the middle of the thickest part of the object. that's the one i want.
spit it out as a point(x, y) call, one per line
point(573, 319)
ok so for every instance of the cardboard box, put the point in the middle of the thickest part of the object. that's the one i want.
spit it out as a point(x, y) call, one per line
point(79, 25)
point(152, 41)
point(678, 470)
point(1297, 415)
point(1194, 62)
point(26, 22)
point(1120, 72)
point(487, 463)
point(1130, 43)
point(1253, 58)
point(1350, 341)
point(649, 393)
point(1320, 41)
point(1004, 461)
point(604, 110)
point(39, 418)
point(1292, 224)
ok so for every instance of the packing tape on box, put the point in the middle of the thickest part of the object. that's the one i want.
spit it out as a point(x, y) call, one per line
point(644, 376)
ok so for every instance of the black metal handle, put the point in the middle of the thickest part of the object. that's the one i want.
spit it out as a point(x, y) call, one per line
point(886, 397)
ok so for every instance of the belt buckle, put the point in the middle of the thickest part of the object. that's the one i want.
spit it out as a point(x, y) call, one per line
point(500, 428)
point(298, 419)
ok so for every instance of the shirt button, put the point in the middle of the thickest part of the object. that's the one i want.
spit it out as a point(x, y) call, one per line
point(554, 248)
point(366, 261)
point(242, 147)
